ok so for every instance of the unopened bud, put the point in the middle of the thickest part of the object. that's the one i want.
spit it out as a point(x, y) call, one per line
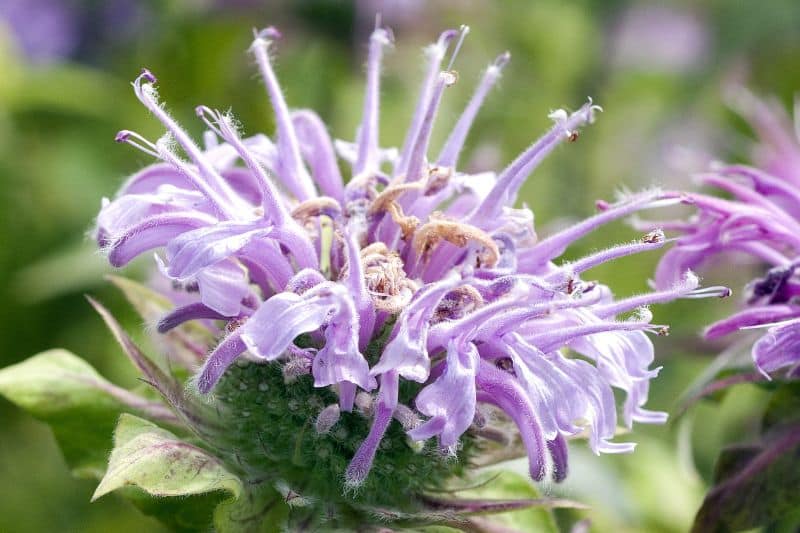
point(407, 418)
point(364, 403)
point(327, 418)
point(294, 368)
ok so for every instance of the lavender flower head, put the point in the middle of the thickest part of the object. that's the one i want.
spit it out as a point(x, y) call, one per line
point(761, 220)
point(418, 293)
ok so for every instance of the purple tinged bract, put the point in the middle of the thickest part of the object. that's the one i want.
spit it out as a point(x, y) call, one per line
point(433, 268)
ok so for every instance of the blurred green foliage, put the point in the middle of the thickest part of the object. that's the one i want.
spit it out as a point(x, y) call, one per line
point(57, 159)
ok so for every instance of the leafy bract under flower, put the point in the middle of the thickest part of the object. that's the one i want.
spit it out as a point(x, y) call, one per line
point(412, 271)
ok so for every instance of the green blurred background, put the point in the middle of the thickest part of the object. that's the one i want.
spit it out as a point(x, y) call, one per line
point(659, 70)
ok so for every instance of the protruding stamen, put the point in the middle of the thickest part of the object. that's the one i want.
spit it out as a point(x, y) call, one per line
point(455, 142)
point(223, 126)
point(137, 141)
point(511, 179)
point(554, 245)
point(435, 54)
point(212, 184)
point(463, 31)
point(417, 157)
point(547, 342)
point(685, 288)
point(327, 418)
point(651, 241)
point(716, 291)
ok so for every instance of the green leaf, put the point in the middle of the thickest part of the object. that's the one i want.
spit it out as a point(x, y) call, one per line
point(185, 514)
point(161, 464)
point(152, 373)
point(185, 486)
point(259, 509)
point(783, 407)
point(81, 407)
point(754, 485)
point(150, 466)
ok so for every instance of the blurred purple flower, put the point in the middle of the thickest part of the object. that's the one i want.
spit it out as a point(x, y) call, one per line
point(395, 13)
point(761, 220)
point(55, 30)
point(45, 30)
point(658, 38)
point(267, 236)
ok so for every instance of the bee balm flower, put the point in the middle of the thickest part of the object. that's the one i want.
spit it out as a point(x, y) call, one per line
point(760, 220)
point(413, 291)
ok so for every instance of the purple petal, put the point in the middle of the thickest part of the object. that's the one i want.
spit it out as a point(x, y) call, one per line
point(558, 452)
point(368, 157)
point(222, 287)
point(501, 389)
point(451, 414)
point(361, 464)
point(753, 316)
point(435, 53)
point(407, 353)
point(317, 149)
point(153, 232)
point(279, 320)
point(130, 210)
point(195, 250)
point(780, 347)
point(220, 359)
point(340, 360)
point(152, 177)
point(186, 313)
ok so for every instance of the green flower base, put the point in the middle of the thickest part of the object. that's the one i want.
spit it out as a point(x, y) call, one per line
point(269, 433)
